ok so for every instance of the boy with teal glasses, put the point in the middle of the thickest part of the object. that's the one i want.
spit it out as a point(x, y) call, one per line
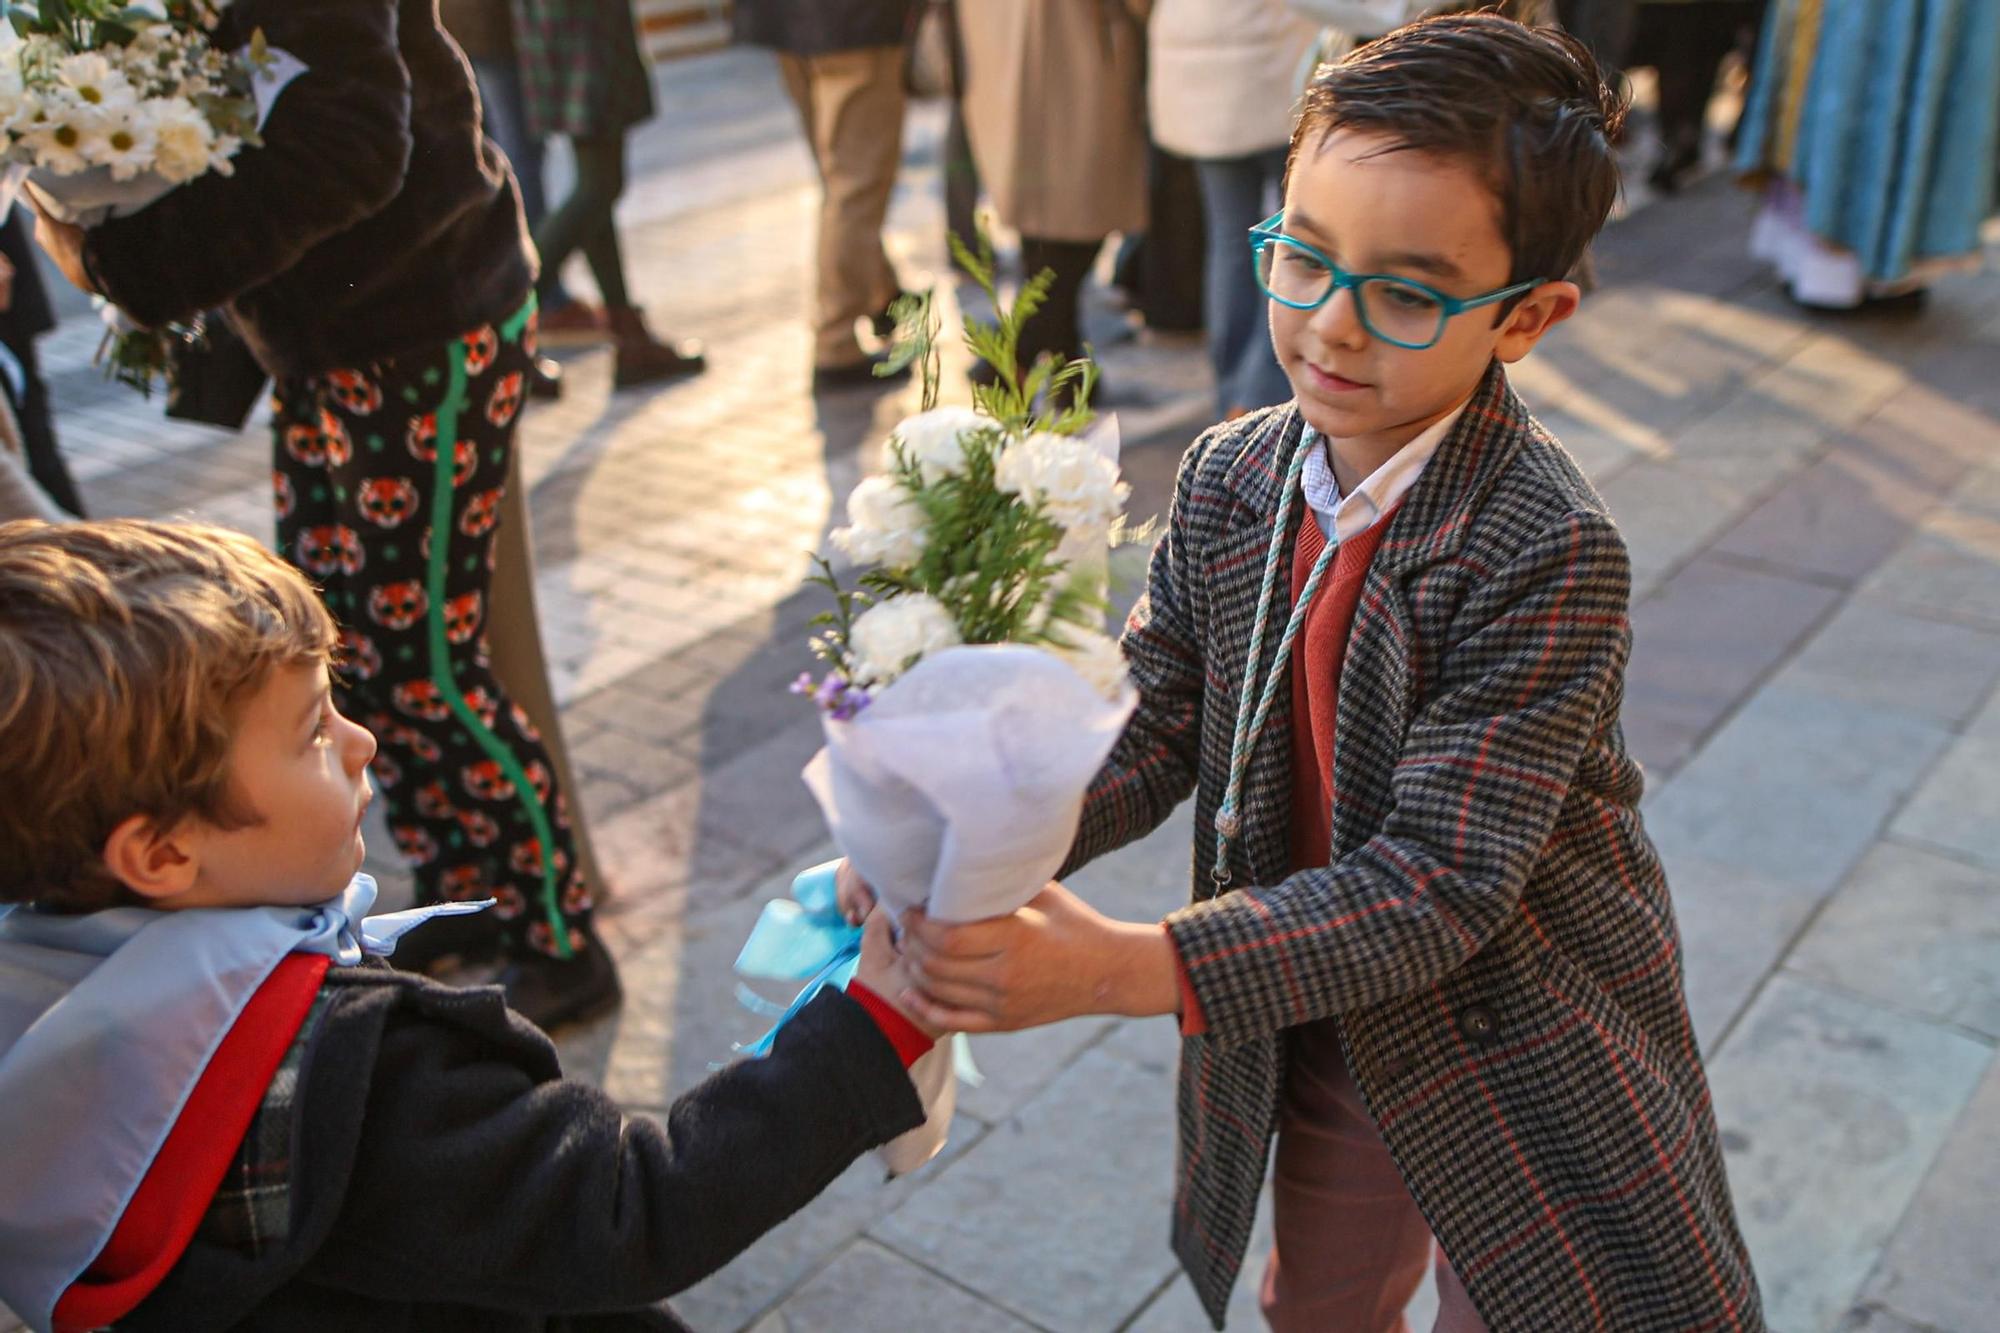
point(1430, 950)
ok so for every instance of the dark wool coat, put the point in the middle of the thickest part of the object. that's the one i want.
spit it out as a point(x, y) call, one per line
point(582, 73)
point(1493, 936)
point(819, 27)
point(419, 1163)
point(375, 221)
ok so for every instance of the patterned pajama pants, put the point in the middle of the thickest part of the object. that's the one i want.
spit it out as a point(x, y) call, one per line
point(388, 481)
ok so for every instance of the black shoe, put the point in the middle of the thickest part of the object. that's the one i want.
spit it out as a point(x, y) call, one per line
point(860, 373)
point(471, 938)
point(545, 378)
point(549, 992)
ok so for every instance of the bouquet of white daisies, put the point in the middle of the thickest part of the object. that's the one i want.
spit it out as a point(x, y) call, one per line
point(970, 691)
point(106, 105)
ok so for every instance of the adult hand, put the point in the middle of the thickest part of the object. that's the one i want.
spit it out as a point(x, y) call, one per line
point(852, 893)
point(64, 243)
point(6, 284)
point(883, 971)
point(1056, 958)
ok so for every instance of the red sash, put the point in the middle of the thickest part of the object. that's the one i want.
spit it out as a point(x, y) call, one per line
point(157, 1225)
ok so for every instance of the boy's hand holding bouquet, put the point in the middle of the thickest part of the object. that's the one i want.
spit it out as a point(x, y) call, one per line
point(970, 693)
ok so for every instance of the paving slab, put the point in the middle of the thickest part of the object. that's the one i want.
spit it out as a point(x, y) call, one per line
point(1939, 1270)
point(1949, 567)
point(1793, 788)
point(1700, 643)
point(1094, 1151)
point(1873, 654)
point(1831, 1111)
point(1918, 932)
point(1958, 807)
point(870, 1287)
point(1736, 926)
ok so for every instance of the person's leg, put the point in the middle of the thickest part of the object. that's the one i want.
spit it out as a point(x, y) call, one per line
point(504, 117)
point(1056, 327)
point(851, 103)
point(961, 182)
point(416, 456)
point(38, 434)
point(1235, 193)
point(586, 221)
point(1259, 377)
point(1351, 1246)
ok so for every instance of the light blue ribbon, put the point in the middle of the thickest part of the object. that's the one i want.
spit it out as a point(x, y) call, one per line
point(804, 938)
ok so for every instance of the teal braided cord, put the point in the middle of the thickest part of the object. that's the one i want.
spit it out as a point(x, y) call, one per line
point(1248, 727)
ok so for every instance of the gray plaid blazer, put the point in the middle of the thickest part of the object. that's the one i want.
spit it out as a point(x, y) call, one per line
point(1493, 936)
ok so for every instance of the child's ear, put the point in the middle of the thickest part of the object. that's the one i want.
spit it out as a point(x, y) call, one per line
point(1545, 307)
point(155, 863)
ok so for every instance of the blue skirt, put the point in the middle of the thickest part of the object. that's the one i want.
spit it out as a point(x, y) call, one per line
point(1898, 123)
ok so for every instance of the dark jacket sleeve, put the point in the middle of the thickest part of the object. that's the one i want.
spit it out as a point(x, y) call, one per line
point(481, 1178)
point(335, 150)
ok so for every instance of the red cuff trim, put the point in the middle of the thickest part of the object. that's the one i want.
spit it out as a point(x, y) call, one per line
point(909, 1040)
point(1193, 1022)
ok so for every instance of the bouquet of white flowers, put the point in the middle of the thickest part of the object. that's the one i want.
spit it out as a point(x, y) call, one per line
point(106, 105)
point(971, 692)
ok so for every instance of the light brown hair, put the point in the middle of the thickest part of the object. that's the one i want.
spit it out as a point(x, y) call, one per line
point(1526, 106)
point(126, 650)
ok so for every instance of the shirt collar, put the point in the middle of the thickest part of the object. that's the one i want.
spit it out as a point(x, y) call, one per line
point(1344, 516)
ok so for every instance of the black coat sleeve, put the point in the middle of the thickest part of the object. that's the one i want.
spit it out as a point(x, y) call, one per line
point(336, 149)
point(482, 1180)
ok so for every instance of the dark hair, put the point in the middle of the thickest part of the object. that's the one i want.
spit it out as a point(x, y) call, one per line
point(1528, 107)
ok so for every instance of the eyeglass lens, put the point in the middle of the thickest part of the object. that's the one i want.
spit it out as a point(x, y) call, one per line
point(1392, 309)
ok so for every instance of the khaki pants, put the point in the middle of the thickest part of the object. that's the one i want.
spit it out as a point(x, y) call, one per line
point(514, 637)
point(852, 106)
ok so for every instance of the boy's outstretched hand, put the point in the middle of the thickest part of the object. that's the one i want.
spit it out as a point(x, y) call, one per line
point(1056, 958)
point(886, 973)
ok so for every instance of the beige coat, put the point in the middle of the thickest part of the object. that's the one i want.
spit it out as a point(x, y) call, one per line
point(1224, 74)
point(1055, 108)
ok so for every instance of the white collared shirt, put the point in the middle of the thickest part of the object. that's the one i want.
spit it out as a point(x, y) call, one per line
point(1344, 516)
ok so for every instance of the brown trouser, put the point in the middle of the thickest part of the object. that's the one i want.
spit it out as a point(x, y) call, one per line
point(852, 106)
point(1351, 1245)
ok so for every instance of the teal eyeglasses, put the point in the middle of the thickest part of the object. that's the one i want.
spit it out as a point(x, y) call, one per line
point(1399, 311)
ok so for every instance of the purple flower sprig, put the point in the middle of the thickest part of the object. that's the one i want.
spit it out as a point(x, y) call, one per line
point(837, 696)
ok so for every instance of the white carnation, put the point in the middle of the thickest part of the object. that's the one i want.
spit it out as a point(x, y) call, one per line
point(182, 139)
point(1098, 659)
point(935, 440)
point(885, 525)
point(891, 637)
point(1076, 485)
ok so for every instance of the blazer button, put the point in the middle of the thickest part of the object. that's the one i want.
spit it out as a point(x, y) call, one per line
point(1478, 1025)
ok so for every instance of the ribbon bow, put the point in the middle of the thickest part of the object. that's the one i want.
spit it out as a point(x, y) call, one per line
point(342, 929)
point(804, 938)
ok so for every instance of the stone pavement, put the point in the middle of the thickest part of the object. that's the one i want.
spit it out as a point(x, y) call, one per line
point(1813, 507)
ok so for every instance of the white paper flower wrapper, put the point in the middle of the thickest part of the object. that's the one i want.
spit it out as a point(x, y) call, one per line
point(958, 789)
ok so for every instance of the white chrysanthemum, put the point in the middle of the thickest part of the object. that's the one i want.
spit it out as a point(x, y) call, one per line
point(94, 80)
point(1077, 486)
point(126, 146)
point(885, 525)
point(891, 637)
point(182, 139)
point(1098, 659)
point(935, 440)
